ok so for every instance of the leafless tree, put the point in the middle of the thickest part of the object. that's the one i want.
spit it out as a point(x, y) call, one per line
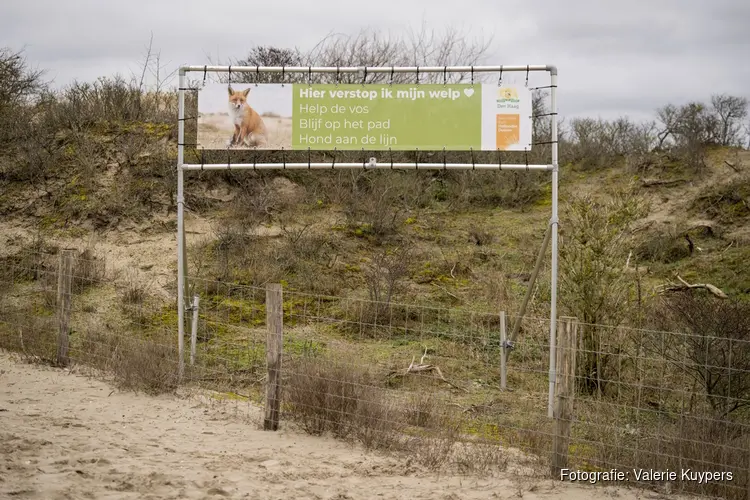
point(667, 116)
point(146, 95)
point(420, 47)
point(385, 274)
point(597, 142)
point(731, 111)
point(18, 82)
point(687, 130)
point(542, 129)
point(269, 56)
point(449, 48)
point(696, 125)
point(21, 87)
point(366, 48)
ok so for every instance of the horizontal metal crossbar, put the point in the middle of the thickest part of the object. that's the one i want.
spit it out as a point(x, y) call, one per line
point(365, 166)
point(373, 69)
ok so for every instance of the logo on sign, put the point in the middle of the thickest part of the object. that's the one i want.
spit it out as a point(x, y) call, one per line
point(507, 94)
point(507, 98)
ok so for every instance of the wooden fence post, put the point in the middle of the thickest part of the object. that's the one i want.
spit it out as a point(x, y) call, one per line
point(274, 348)
point(503, 353)
point(564, 392)
point(64, 292)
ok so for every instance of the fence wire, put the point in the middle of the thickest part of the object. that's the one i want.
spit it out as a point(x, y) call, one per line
point(406, 377)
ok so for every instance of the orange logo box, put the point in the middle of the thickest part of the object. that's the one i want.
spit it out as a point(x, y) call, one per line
point(508, 130)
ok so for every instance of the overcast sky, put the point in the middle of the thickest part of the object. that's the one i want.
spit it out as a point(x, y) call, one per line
point(615, 58)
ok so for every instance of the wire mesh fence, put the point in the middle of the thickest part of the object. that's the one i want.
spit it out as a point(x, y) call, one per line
point(407, 377)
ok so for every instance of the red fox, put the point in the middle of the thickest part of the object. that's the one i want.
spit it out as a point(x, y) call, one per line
point(249, 129)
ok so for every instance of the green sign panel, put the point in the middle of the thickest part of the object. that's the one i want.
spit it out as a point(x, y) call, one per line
point(370, 117)
point(382, 117)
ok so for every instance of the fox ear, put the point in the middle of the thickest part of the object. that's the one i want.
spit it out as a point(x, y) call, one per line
point(229, 88)
point(246, 91)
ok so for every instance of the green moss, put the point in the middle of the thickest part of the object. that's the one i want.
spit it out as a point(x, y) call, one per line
point(158, 130)
point(151, 129)
point(426, 274)
point(488, 431)
point(234, 357)
point(449, 280)
point(229, 396)
point(165, 317)
point(303, 347)
point(363, 230)
point(49, 221)
point(238, 311)
point(213, 329)
point(350, 268)
point(75, 232)
point(545, 198)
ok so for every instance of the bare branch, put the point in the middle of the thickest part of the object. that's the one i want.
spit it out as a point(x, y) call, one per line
point(421, 367)
point(684, 285)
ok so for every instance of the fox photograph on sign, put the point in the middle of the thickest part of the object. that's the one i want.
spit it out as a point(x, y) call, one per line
point(371, 117)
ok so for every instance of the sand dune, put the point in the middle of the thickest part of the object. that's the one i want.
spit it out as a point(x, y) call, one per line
point(66, 436)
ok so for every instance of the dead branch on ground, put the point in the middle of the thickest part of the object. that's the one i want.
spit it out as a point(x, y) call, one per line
point(732, 166)
point(423, 367)
point(684, 285)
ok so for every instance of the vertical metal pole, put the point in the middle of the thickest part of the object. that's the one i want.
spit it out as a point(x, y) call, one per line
point(503, 353)
point(180, 226)
point(554, 223)
point(194, 330)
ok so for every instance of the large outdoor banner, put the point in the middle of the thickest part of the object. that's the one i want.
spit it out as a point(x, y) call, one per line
point(370, 117)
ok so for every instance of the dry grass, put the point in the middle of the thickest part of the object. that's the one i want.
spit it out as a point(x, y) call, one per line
point(133, 363)
point(664, 247)
point(347, 400)
point(134, 291)
point(726, 203)
point(662, 440)
point(327, 396)
point(28, 334)
point(148, 365)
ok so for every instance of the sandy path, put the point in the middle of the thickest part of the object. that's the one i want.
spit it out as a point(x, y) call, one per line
point(65, 436)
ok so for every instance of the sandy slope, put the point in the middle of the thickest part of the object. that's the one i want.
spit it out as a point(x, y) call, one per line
point(65, 436)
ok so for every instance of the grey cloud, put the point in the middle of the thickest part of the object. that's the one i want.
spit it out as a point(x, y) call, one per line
point(615, 58)
point(696, 30)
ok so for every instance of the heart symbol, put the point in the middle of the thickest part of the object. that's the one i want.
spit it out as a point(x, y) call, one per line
point(469, 92)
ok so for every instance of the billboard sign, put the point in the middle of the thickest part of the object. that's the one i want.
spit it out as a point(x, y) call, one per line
point(372, 117)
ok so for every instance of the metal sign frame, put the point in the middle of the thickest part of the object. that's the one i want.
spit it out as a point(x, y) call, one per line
point(373, 164)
